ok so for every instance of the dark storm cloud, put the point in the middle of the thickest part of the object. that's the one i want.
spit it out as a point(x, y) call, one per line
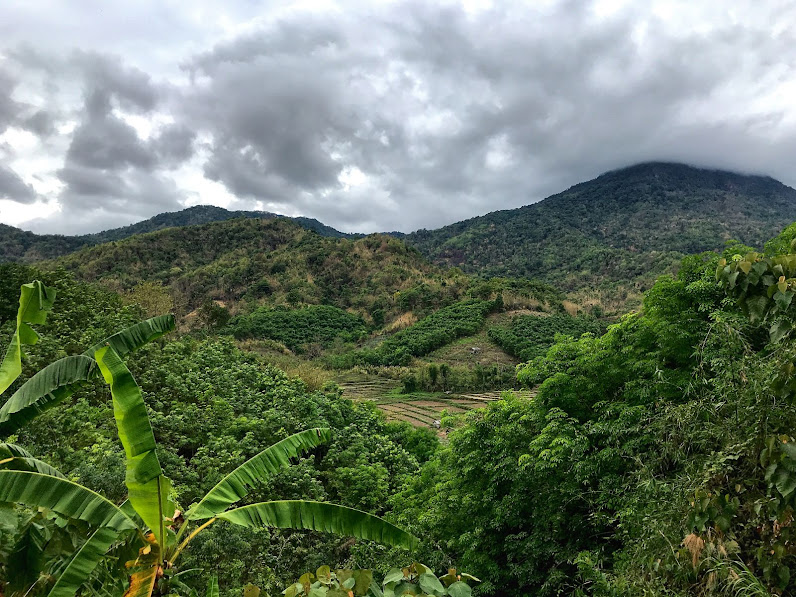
point(417, 114)
point(9, 108)
point(104, 141)
point(174, 144)
point(108, 168)
point(133, 88)
point(452, 115)
point(13, 188)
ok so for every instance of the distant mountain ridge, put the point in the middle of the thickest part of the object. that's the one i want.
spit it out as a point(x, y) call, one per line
point(623, 226)
point(20, 245)
point(272, 261)
point(619, 230)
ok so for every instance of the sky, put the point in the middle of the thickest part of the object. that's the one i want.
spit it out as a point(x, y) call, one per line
point(376, 116)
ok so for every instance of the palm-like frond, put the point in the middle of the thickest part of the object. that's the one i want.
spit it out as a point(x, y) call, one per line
point(59, 380)
point(83, 563)
point(134, 337)
point(35, 301)
point(147, 487)
point(236, 485)
point(48, 387)
point(16, 458)
point(69, 499)
point(320, 516)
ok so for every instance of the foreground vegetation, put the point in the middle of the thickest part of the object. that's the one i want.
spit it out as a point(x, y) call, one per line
point(211, 408)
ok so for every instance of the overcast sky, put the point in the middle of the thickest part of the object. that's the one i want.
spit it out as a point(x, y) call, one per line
point(368, 116)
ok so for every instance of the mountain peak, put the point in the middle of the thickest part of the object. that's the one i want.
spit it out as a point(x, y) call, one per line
point(627, 224)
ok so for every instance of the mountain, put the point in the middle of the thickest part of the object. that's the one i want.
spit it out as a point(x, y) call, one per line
point(23, 246)
point(627, 225)
point(278, 262)
point(621, 229)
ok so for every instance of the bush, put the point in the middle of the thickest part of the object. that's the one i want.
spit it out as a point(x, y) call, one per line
point(438, 329)
point(529, 336)
point(299, 328)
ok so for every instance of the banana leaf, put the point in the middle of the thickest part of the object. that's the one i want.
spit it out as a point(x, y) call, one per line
point(47, 388)
point(69, 499)
point(236, 485)
point(320, 516)
point(135, 336)
point(147, 487)
point(84, 562)
point(35, 301)
point(59, 380)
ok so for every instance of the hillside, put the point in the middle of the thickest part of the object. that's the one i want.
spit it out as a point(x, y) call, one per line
point(27, 247)
point(274, 262)
point(626, 225)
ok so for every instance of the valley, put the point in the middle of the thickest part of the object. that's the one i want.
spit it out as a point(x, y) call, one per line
point(571, 398)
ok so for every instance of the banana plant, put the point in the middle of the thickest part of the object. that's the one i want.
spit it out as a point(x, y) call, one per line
point(35, 301)
point(151, 518)
point(51, 386)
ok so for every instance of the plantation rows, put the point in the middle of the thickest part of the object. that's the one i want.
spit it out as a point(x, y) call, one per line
point(423, 413)
point(529, 336)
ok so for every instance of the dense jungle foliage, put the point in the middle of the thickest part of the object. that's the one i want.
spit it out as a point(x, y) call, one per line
point(655, 459)
point(624, 227)
point(297, 328)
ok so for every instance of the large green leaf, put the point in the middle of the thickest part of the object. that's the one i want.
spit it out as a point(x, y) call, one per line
point(59, 380)
point(320, 516)
point(135, 336)
point(84, 562)
point(212, 587)
point(47, 388)
point(236, 485)
point(69, 499)
point(35, 301)
point(16, 458)
point(147, 487)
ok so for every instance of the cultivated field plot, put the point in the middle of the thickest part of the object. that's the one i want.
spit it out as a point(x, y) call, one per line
point(424, 412)
point(368, 388)
point(421, 411)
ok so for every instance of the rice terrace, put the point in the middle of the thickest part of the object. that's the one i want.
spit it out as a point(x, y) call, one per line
point(421, 409)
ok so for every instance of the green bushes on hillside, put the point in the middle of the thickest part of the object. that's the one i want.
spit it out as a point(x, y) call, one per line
point(438, 329)
point(529, 336)
point(296, 328)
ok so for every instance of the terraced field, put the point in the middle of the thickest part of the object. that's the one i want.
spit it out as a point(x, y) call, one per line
point(427, 412)
point(367, 387)
point(424, 413)
point(420, 409)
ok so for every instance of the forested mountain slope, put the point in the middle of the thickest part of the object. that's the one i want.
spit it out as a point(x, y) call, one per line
point(274, 262)
point(626, 225)
point(27, 247)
